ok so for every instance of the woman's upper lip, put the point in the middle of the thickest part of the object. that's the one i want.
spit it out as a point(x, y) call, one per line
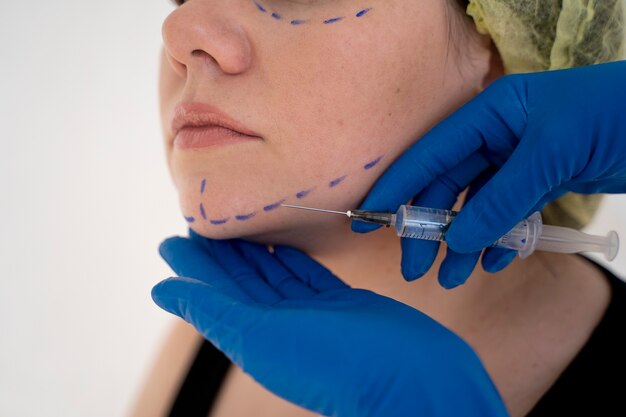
point(203, 115)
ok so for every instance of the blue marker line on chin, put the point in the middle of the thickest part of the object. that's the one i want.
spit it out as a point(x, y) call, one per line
point(244, 217)
point(219, 221)
point(276, 16)
point(372, 164)
point(274, 206)
point(303, 194)
point(337, 181)
point(333, 20)
point(190, 219)
point(202, 212)
point(297, 22)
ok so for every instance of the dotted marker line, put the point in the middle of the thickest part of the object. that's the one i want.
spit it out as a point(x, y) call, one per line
point(300, 195)
point(299, 22)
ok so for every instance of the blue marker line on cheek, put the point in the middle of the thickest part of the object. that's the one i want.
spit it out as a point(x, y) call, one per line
point(202, 186)
point(202, 212)
point(276, 16)
point(243, 217)
point(274, 206)
point(372, 164)
point(190, 219)
point(363, 12)
point(337, 181)
point(261, 8)
point(296, 22)
point(219, 221)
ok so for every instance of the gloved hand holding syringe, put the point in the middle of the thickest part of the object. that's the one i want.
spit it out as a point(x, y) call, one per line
point(527, 236)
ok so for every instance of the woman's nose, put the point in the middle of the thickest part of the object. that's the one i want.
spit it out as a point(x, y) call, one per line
point(201, 36)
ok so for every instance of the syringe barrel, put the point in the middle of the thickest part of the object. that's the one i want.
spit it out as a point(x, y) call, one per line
point(422, 222)
point(529, 234)
point(431, 224)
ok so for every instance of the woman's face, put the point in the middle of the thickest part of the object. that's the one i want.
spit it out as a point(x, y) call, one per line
point(320, 96)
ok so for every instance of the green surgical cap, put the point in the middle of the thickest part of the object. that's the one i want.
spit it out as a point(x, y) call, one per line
point(540, 35)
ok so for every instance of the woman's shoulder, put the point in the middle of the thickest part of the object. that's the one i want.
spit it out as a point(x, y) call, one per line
point(587, 384)
point(163, 380)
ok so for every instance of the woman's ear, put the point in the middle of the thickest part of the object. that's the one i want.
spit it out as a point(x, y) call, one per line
point(496, 66)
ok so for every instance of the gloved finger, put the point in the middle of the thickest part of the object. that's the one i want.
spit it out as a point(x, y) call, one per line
point(275, 273)
point(419, 255)
point(456, 268)
point(493, 117)
point(189, 259)
point(496, 259)
point(308, 270)
point(514, 190)
point(233, 262)
point(215, 314)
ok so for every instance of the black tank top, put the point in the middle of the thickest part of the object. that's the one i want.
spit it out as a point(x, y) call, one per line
point(592, 385)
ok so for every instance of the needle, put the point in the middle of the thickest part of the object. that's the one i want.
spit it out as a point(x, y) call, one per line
point(348, 213)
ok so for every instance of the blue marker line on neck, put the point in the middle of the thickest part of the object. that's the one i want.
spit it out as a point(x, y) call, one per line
point(363, 12)
point(304, 193)
point(190, 219)
point(202, 212)
point(274, 206)
point(219, 221)
point(243, 217)
point(203, 186)
point(337, 181)
point(372, 164)
point(333, 20)
point(261, 8)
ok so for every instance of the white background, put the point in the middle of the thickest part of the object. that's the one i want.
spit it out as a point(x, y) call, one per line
point(85, 201)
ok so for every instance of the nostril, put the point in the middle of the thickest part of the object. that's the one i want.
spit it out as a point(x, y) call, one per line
point(204, 55)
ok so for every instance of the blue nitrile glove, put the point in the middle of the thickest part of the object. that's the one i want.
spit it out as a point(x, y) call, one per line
point(525, 141)
point(306, 336)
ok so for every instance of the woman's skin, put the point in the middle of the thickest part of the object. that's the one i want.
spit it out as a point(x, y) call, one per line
point(324, 100)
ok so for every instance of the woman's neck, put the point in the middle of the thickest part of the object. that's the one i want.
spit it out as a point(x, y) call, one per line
point(527, 322)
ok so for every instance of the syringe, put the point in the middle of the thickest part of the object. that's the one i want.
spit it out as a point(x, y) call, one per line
point(527, 236)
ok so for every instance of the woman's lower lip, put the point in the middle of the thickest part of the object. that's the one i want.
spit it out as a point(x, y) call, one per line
point(207, 136)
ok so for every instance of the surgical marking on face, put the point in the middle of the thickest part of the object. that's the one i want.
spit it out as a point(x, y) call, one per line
point(274, 206)
point(244, 217)
point(304, 193)
point(373, 163)
point(299, 22)
point(337, 181)
point(271, 207)
point(333, 20)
